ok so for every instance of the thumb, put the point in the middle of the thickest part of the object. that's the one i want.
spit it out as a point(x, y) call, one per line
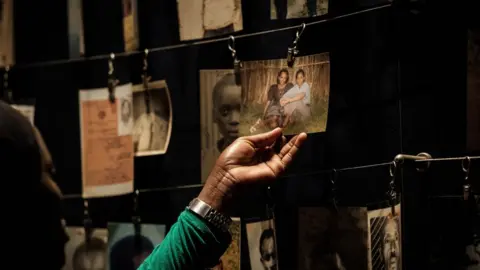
point(264, 139)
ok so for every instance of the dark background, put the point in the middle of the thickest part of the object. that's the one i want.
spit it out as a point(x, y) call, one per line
point(398, 85)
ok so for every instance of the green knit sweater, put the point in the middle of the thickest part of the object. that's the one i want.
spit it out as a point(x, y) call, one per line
point(191, 243)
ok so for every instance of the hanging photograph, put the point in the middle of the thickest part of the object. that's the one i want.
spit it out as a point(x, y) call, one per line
point(293, 98)
point(332, 238)
point(220, 105)
point(472, 250)
point(385, 239)
point(291, 9)
point(79, 255)
point(106, 141)
point(152, 114)
point(6, 33)
point(130, 25)
point(126, 249)
point(231, 258)
point(205, 19)
point(473, 92)
point(262, 245)
point(75, 29)
point(27, 110)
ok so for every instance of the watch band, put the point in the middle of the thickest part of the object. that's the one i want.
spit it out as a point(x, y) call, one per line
point(211, 215)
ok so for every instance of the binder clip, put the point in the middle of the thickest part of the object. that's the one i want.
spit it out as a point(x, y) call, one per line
point(7, 92)
point(466, 186)
point(136, 220)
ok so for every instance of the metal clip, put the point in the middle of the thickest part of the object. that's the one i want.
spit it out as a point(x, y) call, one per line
point(392, 193)
point(466, 186)
point(7, 92)
point(146, 79)
point(237, 64)
point(333, 188)
point(292, 51)
point(87, 223)
point(112, 81)
point(136, 220)
point(270, 206)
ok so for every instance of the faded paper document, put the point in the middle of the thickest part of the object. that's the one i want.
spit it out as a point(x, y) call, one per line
point(107, 144)
point(130, 27)
point(27, 111)
point(6, 33)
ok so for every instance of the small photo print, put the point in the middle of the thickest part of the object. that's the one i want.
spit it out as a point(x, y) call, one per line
point(293, 98)
point(205, 18)
point(220, 106)
point(6, 33)
point(130, 26)
point(127, 250)
point(385, 239)
point(152, 114)
point(332, 238)
point(291, 9)
point(262, 245)
point(231, 258)
point(27, 110)
point(81, 255)
point(125, 115)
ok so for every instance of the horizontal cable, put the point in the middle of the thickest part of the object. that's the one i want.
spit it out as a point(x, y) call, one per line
point(202, 42)
point(369, 166)
point(448, 159)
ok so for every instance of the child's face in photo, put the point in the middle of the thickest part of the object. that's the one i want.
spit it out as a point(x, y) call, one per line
point(300, 79)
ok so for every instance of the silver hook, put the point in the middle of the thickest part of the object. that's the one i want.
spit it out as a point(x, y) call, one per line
point(6, 92)
point(110, 64)
point(145, 61)
point(466, 169)
point(333, 180)
point(231, 46)
point(393, 168)
point(466, 164)
point(299, 33)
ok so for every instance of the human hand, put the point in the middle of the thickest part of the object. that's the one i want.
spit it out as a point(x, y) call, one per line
point(284, 101)
point(248, 160)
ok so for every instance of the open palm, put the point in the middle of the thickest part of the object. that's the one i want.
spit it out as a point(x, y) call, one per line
point(252, 158)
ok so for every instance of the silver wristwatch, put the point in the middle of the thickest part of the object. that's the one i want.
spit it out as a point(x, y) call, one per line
point(211, 215)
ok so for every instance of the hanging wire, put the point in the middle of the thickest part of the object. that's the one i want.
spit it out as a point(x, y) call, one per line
point(196, 43)
point(326, 171)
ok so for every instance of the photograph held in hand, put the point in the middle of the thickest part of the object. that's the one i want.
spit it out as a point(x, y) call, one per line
point(295, 99)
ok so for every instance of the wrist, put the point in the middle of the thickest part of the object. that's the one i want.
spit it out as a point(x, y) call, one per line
point(215, 192)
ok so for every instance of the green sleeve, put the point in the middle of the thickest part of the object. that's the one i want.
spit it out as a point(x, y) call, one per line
point(190, 244)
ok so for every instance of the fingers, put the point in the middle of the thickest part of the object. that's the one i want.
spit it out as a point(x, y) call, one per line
point(264, 139)
point(290, 150)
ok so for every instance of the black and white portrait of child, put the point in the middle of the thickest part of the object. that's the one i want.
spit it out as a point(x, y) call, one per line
point(220, 104)
point(385, 239)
